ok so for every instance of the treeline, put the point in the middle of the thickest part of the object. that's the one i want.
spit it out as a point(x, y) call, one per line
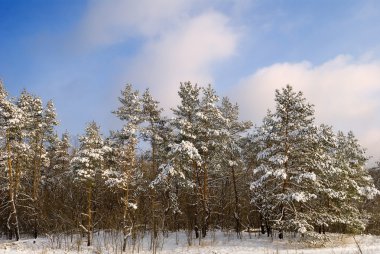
point(204, 169)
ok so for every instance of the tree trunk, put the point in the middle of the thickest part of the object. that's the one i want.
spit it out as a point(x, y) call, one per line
point(89, 214)
point(154, 234)
point(125, 219)
point(206, 209)
point(12, 218)
point(196, 193)
point(36, 184)
point(237, 210)
point(269, 230)
point(131, 153)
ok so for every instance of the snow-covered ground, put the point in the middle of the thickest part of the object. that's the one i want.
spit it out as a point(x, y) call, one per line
point(215, 243)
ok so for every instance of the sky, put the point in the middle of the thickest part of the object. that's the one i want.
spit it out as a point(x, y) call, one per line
point(81, 54)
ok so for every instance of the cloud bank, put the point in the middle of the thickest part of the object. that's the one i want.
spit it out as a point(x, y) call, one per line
point(180, 41)
point(186, 53)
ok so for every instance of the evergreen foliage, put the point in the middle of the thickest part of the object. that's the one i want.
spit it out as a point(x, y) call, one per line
point(201, 170)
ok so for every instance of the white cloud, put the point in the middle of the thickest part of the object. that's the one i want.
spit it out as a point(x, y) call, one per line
point(186, 53)
point(110, 22)
point(345, 93)
point(181, 40)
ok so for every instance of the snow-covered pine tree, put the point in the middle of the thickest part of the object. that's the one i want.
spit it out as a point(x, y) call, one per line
point(209, 122)
point(251, 145)
point(49, 121)
point(87, 167)
point(59, 159)
point(185, 114)
point(196, 125)
point(373, 206)
point(122, 175)
point(142, 119)
point(230, 154)
point(285, 180)
point(176, 179)
point(334, 206)
point(130, 112)
point(264, 183)
point(186, 131)
point(156, 131)
point(11, 133)
point(39, 130)
point(324, 209)
point(343, 182)
point(32, 108)
point(58, 187)
point(355, 182)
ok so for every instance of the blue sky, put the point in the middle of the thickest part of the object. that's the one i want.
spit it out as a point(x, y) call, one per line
point(81, 53)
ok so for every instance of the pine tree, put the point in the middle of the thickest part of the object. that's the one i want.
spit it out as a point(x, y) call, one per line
point(230, 152)
point(39, 130)
point(87, 167)
point(59, 158)
point(122, 174)
point(324, 212)
point(307, 176)
point(130, 112)
point(156, 131)
point(355, 182)
point(186, 130)
point(285, 178)
point(343, 182)
point(58, 187)
point(208, 122)
point(373, 206)
point(12, 119)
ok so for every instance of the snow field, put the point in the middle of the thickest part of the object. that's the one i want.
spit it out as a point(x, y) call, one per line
point(215, 243)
